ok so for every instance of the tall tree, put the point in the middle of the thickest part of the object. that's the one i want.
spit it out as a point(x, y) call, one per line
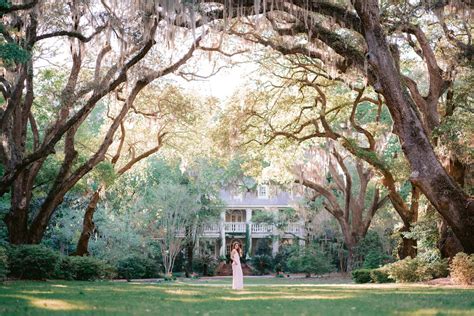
point(362, 43)
point(356, 118)
point(346, 192)
point(125, 35)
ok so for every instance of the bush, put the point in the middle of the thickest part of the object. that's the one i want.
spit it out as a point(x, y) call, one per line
point(374, 259)
point(281, 258)
point(32, 262)
point(83, 268)
point(439, 269)
point(133, 267)
point(416, 270)
point(361, 275)
point(369, 253)
point(3, 263)
point(89, 268)
point(310, 260)
point(263, 247)
point(262, 264)
point(65, 269)
point(462, 268)
point(205, 264)
point(380, 276)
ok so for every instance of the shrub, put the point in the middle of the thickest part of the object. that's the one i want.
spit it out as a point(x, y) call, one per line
point(89, 268)
point(380, 276)
point(263, 247)
point(32, 262)
point(361, 275)
point(131, 267)
point(3, 264)
point(65, 269)
point(416, 270)
point(262, 264)
point(462, 268)
point(439, 268)
point(408, 270)
point(153, 267)
point(205, 264)
point(309, 261)
point(369, 253)
point(374, 259)
point(281, 258)
point(83, 268)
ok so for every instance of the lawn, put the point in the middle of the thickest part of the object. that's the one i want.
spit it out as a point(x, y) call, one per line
point(214, 297)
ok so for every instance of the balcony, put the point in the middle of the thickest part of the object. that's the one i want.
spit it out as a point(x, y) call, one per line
point(262, 228)
point(257, 229)
point(235, 227)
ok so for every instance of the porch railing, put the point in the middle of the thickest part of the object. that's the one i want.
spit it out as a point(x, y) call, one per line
point(262, 228)
point(235, 227)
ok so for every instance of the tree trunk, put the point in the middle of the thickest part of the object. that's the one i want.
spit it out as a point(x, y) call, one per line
point(408, 245)
point(17, 219)
point(82, 248)
point(427, 172)
point(350, 257)
point(189, 259)
point(448, 244)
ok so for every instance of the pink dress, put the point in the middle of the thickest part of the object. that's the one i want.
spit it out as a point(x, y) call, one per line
point(237, 275)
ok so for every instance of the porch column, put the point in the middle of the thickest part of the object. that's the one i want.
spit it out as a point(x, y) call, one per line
point(248, 233)
point(222, 233)
point(275, 244)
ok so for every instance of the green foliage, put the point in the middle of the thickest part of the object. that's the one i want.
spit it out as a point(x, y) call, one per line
point(369, 252)
point(361, 275)
point(205, 264)
point(13, 53)
point(3, 263)
point(137, 267)
point(32, 262)
point(380, 276)
point(283, 255)
point(262, 263)
point(65, 269)
point(86, 268)
point(260, 216)
point(310, 261)
point(425, 232)
point(263, 247)
point(462, 268)
point(416, 270)
point(5, 4)
point(374, 259)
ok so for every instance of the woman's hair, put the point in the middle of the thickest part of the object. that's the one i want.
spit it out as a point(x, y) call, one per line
point(240, 248)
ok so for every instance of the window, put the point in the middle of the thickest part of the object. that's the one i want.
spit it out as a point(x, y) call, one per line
point(235, 216)
point(262, 191)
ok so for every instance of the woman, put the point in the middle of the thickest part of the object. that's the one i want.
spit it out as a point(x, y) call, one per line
point(237, 275)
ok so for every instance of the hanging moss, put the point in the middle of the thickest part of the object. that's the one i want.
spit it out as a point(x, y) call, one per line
point(367, 155)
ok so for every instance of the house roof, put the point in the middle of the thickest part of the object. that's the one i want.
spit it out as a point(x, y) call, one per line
point(251, 199)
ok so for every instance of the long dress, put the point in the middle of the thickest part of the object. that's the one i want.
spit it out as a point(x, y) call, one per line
point(237, 275)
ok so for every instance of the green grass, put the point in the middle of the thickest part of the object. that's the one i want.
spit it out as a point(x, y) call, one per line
point(214, 297)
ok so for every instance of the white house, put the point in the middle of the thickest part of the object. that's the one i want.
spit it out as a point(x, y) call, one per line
point(236, 223)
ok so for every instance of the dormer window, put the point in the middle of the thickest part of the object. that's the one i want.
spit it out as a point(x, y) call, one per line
point(262, 191)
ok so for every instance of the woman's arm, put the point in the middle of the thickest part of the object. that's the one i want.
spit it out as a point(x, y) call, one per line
point(232, 256)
